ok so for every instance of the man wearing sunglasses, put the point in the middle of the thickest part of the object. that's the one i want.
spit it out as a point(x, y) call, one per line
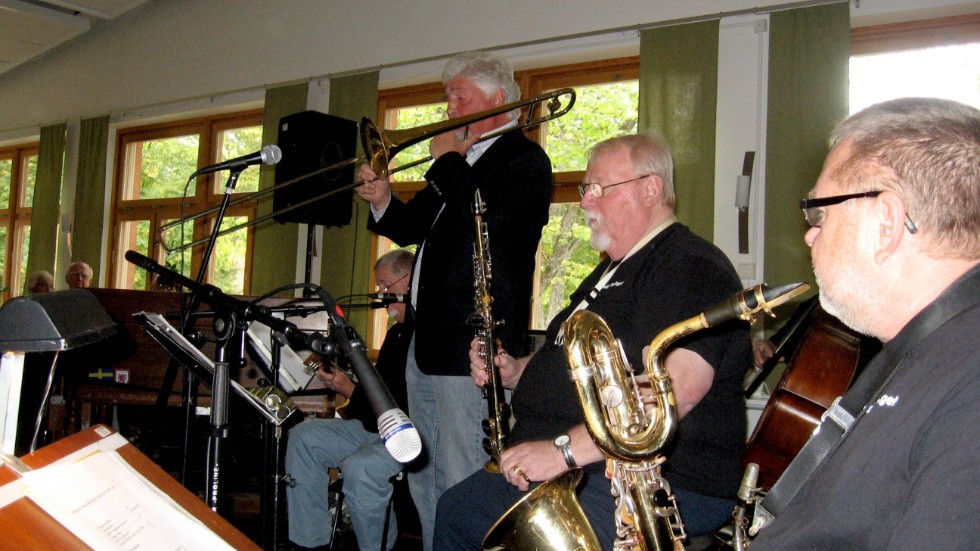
point(895, 243)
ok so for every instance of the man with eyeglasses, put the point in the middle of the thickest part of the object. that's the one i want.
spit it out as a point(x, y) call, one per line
point(657, 273)
point(352, 443)
point(79, 275)
point(895, 244)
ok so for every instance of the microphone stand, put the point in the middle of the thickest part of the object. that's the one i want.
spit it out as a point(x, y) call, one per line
point(232, 314)
point(273, 454)
point(224, 324)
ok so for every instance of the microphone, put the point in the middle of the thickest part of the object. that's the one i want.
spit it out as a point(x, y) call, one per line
point(396, 430)
point(388, 298)
point(268, 155)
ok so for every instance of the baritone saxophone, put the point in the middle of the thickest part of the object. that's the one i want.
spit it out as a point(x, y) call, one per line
point(550, 517)
point(647, 515)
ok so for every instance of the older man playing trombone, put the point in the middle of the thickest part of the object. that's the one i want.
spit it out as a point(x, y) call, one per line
point(513, 176)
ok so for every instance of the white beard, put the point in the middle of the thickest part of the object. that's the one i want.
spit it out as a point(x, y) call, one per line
point(599, 240)
point(848, 298)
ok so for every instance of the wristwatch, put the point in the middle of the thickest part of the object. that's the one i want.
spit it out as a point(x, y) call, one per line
point(563, 443)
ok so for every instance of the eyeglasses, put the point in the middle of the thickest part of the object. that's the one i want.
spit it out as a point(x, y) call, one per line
point(385, 288)
point(598, 190)
point(814, 215)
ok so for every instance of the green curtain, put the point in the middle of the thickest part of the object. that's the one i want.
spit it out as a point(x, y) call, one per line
point(678, 100)
point(274, 245)
point(90, 189)
point(809, 52)
point(47, 196)
point(345, 252)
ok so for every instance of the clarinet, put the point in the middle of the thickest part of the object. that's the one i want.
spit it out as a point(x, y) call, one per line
point(497, 424)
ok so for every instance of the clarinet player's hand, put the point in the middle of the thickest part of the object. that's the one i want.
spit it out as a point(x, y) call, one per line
point(509, 367)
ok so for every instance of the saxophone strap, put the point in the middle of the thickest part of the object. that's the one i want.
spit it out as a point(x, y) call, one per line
point(845, 411)
point(611, 268)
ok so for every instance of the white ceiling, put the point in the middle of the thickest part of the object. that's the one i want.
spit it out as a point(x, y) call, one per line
point(28, 28)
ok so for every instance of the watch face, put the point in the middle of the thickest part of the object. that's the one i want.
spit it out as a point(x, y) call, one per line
point(562, 440)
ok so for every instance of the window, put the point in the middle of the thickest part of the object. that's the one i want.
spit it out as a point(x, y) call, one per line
point(934, 58)
point(152, 195)
point(606, 105)
point(18, 170)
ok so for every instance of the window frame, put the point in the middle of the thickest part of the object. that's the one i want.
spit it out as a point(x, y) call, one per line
point(16, 218)
point(157, 212)
point(912, 35)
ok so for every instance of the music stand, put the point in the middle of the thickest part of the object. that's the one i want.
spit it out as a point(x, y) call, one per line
point(272, 404)
point(47, 322)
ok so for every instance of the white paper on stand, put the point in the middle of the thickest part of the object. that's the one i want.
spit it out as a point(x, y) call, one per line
point(109, 505)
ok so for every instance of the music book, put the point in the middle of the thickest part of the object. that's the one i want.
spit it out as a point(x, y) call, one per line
point(99, 495)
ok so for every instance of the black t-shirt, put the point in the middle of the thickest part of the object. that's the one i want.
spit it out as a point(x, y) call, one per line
point(675, 276)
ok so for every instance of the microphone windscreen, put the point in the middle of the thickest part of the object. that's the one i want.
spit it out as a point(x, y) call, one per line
point(271, 154)
point(399, 435)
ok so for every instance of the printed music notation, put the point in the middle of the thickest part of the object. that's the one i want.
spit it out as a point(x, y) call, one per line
point(107, 504)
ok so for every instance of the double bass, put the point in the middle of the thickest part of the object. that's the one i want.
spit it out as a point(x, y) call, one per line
point(824, 357)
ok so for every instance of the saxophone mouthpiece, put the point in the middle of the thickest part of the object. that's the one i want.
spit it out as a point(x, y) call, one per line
point(749, 302)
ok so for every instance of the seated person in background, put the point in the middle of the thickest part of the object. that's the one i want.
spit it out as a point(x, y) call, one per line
point(352, 444)
point(657, 273)
point(40, 281)
point(79, 275)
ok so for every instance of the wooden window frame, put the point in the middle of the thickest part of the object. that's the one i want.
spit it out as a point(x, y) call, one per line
point(204, 196)
point(16, 218)
point(943, 31)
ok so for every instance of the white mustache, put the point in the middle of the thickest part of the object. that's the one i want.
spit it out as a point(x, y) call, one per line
point(594, 218)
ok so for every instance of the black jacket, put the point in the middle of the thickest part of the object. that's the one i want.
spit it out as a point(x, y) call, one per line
point(514, 178)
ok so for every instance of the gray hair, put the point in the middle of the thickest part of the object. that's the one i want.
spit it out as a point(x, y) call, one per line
point(399, 260)
point(488, 72)
point(649, 154)
point(36, 278)
point(926, 150)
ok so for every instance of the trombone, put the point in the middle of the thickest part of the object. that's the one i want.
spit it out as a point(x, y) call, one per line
point(380, 147)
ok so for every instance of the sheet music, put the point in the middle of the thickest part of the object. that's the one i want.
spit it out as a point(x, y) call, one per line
point(270, 402)
point(294, 375)
point(109, 505)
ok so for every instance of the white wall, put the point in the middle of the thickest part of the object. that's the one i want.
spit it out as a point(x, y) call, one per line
point(171, 51)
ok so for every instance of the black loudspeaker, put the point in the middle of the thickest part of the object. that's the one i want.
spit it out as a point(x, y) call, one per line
point(309, 141)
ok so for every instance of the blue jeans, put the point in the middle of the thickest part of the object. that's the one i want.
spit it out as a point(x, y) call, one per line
point(448, 412)
point(470, 509)
point(366, 466)
point(702, 514)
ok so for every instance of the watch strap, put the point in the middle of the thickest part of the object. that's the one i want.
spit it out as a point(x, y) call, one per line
point(566, 452)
